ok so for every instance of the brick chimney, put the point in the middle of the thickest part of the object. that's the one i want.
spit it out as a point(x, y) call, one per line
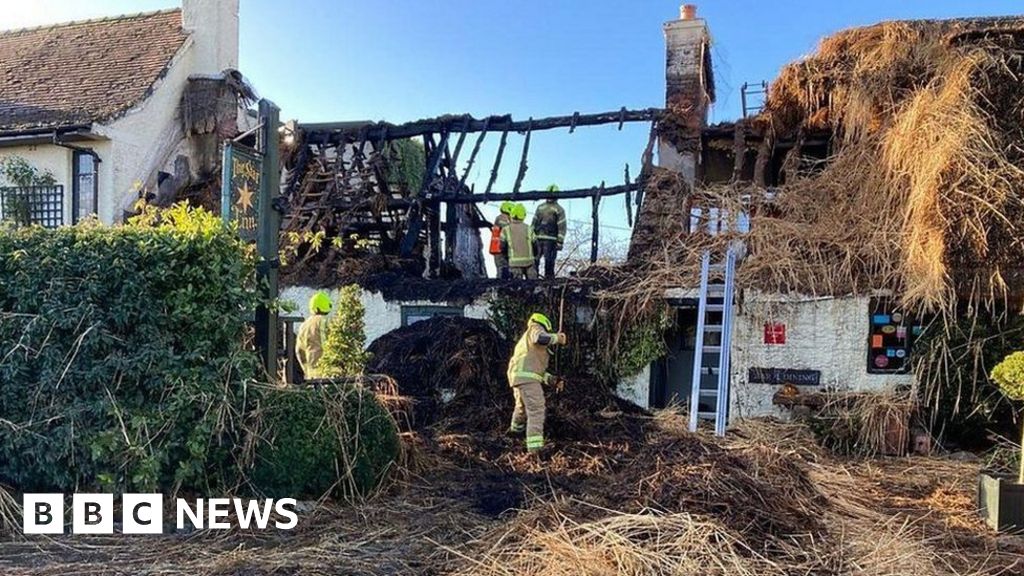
point(213, 25)
point(689, 90)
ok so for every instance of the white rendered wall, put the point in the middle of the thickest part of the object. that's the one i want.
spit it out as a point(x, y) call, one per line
point(636, 388)
point(145, 140)
point(46, 158)
point(829, 335)
point(381, 316)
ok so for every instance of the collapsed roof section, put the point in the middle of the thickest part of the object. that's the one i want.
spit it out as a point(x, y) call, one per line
point(371, 197)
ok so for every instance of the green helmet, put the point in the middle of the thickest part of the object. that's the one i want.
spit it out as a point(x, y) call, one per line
point(553, 188)
point(518, 212)
point(542, 320)
point(506, 207)
point(320, 303)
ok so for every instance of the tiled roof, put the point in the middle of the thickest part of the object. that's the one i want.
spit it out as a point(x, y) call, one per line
point(83, 72)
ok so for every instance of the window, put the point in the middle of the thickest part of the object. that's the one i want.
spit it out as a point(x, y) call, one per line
point(413, 314)
point(84, 200)
point(890, 336)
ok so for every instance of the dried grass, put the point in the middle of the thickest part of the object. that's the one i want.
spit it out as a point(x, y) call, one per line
point(867, 423)
point(10, 512)
point(647, 543)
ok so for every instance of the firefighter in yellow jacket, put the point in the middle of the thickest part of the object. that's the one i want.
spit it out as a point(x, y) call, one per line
point(518, 243)
point(309, 345)
point(527, 372)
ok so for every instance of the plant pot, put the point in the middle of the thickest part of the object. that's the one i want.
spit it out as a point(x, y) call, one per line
point(1001, 502)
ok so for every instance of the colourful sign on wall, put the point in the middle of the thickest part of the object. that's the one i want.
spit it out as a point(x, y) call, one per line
point(889, 341)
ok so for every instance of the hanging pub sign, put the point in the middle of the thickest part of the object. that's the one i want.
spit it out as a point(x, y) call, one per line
point(240, 188)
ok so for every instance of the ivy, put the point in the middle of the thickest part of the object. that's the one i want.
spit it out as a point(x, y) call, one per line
point(406, 164)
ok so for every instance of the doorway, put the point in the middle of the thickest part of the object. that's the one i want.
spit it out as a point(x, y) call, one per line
point(672, 375)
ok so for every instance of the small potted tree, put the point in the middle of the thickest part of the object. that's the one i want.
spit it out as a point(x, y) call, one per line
point(1001, 497)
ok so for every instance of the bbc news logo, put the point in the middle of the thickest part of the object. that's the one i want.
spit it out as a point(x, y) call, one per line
point(144, 514)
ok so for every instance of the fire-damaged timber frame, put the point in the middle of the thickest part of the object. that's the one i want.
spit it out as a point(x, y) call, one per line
point(362, 201)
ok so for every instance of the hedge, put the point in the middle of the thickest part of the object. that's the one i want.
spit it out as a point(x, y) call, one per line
point(122, 359)
point(330, 438)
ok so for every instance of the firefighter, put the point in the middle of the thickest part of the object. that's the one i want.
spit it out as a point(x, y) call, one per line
point(500, 223)
point(527, 372)
point(549, 229)
point(518, 244)
point(309, 345)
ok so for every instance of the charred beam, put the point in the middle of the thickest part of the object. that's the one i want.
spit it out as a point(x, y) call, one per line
point(497, 161)
point(387, 131)
point(523, 161)
point(596, 225)
point(399, 203)
point(472, 155)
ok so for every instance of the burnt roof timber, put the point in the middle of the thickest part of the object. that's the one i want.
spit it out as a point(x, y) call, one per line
point(347, 204)
point(384, 131)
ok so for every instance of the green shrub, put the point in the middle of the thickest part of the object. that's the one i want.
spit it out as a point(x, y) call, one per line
point(335, 438)
point(344, 353)
point(1009, 376)
point(121, 352)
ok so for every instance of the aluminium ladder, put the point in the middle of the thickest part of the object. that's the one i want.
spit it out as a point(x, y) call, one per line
point(709, 397)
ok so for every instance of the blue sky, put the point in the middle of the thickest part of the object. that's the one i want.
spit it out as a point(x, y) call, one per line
point(401, 60)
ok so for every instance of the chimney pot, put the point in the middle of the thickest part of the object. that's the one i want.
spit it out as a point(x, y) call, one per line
point(688, 12)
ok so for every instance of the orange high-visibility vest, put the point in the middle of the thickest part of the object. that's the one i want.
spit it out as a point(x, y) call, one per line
point(495, 247)
point(499, 224)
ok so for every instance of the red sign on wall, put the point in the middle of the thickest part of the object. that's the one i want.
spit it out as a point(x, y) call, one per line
point(774, 333)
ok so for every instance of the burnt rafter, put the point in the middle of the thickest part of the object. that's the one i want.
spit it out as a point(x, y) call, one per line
point(384, 131)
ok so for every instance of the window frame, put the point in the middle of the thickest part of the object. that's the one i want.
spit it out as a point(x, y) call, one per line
point(76, 184)
point(430, 311)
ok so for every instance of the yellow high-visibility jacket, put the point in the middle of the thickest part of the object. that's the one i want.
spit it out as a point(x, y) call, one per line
point(529, 362)
point(549, 222)
point(309, 345)
point(518, 239)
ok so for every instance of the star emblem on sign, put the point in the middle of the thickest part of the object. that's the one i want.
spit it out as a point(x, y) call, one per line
point(244, 198)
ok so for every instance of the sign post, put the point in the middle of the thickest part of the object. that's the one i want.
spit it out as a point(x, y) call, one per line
point(251, 181)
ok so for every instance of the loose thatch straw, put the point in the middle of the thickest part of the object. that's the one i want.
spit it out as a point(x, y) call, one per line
point(920, 195)
point(627, 544)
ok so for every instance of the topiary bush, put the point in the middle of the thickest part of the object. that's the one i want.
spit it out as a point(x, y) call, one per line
point(122, 359)
point(344, 353)
point(333, 438)
point(1009, 376)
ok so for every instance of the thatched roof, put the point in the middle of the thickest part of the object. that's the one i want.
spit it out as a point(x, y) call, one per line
point(923, 193)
